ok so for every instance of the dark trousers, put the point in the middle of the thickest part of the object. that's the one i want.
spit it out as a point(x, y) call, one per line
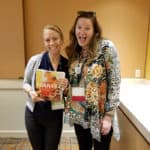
point(85, 139)
point(44, 127)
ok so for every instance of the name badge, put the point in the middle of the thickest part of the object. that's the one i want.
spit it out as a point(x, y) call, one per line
point(78, 94)
point(78, 70)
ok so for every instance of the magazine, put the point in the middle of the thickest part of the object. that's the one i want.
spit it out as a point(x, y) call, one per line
point(47, 86)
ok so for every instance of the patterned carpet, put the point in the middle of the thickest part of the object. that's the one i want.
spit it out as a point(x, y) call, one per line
point(67, 143)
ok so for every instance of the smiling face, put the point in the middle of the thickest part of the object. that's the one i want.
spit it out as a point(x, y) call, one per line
point(84, 32)
point(52, 41)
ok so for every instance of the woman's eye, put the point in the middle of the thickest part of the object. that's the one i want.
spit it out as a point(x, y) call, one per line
point(78, 27)
point(87, 28)
point(54, 39)
point(47, 40)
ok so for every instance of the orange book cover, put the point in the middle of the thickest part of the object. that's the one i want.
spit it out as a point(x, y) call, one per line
point(47, 85)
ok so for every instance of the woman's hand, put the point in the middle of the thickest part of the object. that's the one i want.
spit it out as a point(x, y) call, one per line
point(35, 97)
point(106, 124)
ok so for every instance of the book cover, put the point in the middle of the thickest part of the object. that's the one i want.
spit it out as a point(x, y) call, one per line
point(47, 86)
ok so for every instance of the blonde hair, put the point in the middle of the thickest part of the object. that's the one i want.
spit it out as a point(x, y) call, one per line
point(54, 28)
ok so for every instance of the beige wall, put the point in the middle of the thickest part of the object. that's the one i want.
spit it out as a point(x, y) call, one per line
point(11, 39)
point(147, 70)
point(125, 22)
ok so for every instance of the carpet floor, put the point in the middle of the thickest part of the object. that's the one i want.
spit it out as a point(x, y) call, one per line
point(66, 143)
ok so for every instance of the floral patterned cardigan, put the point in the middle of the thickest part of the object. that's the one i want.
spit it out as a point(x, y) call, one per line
point(102, 85)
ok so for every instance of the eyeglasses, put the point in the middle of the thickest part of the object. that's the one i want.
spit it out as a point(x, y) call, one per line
point(86, 13)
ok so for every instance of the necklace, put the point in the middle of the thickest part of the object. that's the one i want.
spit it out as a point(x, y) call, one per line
point(84, 54)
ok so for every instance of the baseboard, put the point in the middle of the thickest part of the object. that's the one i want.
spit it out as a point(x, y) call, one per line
point(68, 133)
point(13, 133)
point(23, 133)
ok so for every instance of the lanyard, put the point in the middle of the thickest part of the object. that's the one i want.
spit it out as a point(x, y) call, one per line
point(79, 70)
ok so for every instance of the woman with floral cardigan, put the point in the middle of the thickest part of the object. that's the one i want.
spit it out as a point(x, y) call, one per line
point(95, 83)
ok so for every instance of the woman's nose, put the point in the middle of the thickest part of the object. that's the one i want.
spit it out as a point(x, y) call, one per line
point(51, 42)
point(82, 31)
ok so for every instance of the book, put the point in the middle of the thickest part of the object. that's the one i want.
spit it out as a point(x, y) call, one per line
point(48, 87)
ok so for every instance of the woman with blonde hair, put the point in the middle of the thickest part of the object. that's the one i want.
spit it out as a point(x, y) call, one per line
point(43, 124)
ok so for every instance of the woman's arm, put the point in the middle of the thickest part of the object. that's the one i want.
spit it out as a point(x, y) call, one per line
point(113, 76)
point(28, 74)
point(28, 80)
point(113, 80)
